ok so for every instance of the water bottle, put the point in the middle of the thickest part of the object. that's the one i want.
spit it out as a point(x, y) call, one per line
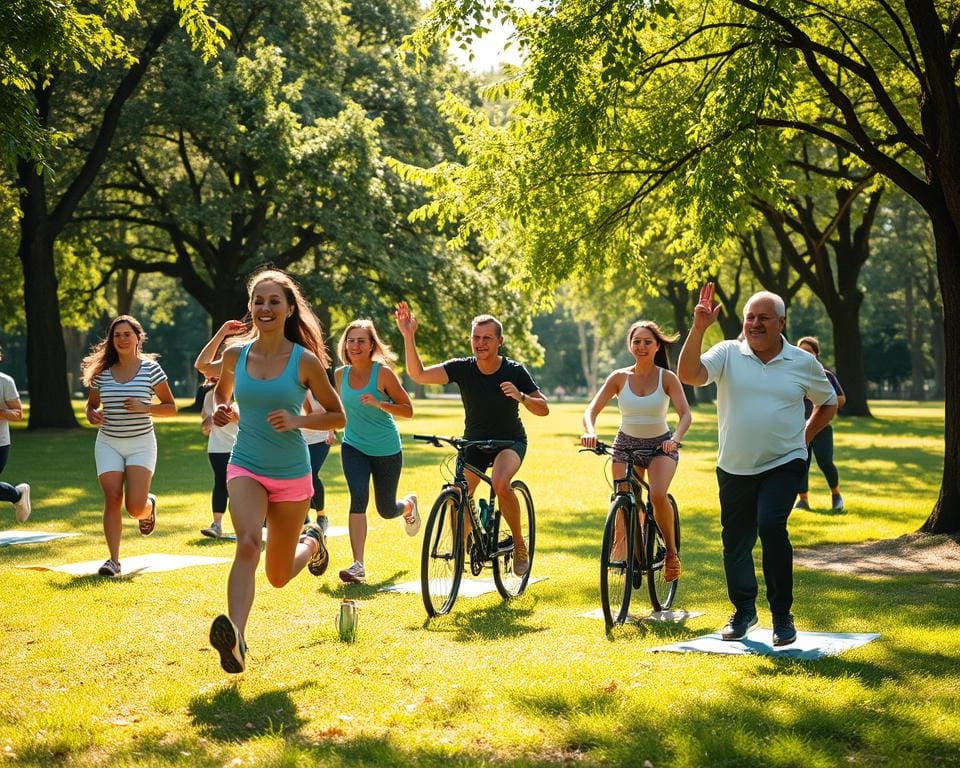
point(486, 518)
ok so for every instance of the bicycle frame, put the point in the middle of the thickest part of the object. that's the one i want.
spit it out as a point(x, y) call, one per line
point(443, 552)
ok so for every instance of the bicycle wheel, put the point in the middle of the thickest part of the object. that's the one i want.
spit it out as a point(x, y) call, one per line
point(616, 562)
point(441, 557)
point(661, 592)
point(508, 583)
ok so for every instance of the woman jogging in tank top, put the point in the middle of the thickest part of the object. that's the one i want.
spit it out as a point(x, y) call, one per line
point(644, 393)
point(268, 476)
point(372, 397)
point(123, 382)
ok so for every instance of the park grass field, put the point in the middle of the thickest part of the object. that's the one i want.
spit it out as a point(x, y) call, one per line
point(99, 672)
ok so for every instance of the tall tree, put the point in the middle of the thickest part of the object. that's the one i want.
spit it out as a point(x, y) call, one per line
point(50, 96)
point(701, 99)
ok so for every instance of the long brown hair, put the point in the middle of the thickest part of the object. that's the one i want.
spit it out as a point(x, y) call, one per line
point(104, 355)
point(379, 349)
point(660, 357)
point(302, 327)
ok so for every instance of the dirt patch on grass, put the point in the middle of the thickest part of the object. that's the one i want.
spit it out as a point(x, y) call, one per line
point(913, 553)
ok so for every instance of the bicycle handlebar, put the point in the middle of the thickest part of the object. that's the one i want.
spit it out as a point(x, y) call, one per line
point(460, 444)
point(603, 449)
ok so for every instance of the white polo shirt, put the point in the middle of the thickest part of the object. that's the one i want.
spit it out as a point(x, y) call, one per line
point(760, 405)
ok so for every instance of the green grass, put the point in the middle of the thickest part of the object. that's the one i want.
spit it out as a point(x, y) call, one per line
point(119, 673)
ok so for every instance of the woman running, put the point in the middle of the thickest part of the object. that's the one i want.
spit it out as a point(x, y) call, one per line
point(123, 382)
point(373, 397)
point(268, 476)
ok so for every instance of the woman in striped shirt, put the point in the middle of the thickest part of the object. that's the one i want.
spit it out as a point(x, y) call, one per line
point(123, 383)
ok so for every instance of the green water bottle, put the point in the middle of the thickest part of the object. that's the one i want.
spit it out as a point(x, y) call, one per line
point(485, 514)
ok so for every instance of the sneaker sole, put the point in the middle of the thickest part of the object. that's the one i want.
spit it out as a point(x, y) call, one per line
point(209, 534)
point(223, 637)
point(23, 507)
point(319, 560)
point(103, 571)
point(349, 578)
point(152, 520)
point(787, 641)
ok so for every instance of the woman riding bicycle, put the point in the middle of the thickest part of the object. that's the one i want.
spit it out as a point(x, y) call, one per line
point(644, 392)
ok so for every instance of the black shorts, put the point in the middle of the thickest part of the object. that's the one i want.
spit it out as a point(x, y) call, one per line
point(482, 460)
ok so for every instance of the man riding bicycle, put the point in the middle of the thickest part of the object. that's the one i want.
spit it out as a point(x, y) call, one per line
point(492, 387)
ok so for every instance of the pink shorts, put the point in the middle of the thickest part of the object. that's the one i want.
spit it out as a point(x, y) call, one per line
point(295, 489)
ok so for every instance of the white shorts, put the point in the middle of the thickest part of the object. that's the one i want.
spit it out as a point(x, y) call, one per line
point(115, 454)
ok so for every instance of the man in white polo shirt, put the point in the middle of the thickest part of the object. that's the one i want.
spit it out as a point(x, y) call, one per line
point(761, 382)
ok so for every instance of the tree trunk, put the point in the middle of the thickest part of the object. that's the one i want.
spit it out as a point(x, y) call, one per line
point(848, 354)
point(916, 347)
point(46, 352)
point(945, 516)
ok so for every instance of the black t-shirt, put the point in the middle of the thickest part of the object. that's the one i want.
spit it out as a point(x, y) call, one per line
point(488, 413)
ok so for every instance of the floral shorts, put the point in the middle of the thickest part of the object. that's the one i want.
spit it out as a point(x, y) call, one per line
point(624, 443)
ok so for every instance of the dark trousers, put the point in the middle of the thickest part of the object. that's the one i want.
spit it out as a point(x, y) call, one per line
point(318, 455)
point(752, 505)
point(822, 448)
point(218, 498)
point(7, 491)
point(359, 469)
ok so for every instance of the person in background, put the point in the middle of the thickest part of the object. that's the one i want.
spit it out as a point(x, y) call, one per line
point(220, 439)
point(318, 444)
point(822, 445)
point(123, 382)
point(11, 410)
point(372, 397)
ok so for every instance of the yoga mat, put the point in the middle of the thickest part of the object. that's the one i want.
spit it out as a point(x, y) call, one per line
point(666, 617)
point(468, 587)
point(136, 564)
point(807, 646)
point(30, 537)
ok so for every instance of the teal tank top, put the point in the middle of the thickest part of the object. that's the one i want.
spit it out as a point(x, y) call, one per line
point(369, 430)
point(259, 447)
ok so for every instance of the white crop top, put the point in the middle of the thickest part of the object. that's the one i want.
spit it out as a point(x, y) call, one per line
point(643, 416)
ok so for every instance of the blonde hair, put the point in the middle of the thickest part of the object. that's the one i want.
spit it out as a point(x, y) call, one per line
point(379, 349)
point(302, 327)
point(661, 357)
point(104, 355)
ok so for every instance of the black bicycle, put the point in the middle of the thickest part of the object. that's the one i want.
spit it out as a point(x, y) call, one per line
point(488, 542)
point(633, 546)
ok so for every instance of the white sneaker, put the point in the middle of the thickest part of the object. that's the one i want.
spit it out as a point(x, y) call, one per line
point(412, 523)
point(22, 508)
point(355, 574)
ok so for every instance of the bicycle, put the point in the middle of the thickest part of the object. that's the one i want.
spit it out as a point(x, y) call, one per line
point(444, 548)
point(633, 546)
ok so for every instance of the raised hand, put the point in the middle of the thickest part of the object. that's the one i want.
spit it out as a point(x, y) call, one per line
point(406, 322)
point(232, 328)
point(706, 311)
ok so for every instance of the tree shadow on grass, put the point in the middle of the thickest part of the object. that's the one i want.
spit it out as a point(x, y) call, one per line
point(225, 715)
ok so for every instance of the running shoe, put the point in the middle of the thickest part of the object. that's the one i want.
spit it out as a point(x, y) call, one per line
point(149, 523)
point(320, 559)
point(355, 574)
point(22, 508)
point(226, 638)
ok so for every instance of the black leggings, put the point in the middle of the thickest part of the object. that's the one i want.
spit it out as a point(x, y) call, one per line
point(218, 501)
point(822, 447)
point(318, 455)
point(358, 468)
point(7, 491)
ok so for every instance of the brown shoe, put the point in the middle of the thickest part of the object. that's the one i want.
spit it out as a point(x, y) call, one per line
point(671, 567)
point(149, 523)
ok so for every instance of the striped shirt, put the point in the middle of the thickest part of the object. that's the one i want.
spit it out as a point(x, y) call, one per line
point(118, 422)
